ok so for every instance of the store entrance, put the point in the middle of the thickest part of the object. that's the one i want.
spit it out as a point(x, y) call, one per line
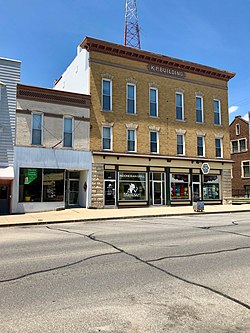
point(196, 187)
point(72, 188)
point(4, 199)
point(157, 188)
point(157, 193)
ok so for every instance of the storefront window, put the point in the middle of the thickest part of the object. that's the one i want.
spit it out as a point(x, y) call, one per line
point(132, 186)
point(179, 187)
point(53, 185)
point(211, 188)
point(30, 185)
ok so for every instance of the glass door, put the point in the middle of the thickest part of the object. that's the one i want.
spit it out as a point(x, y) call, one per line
point(157, 193)
point(73, 192)
point(4, 199)
point(109, 188)
point(196, 187)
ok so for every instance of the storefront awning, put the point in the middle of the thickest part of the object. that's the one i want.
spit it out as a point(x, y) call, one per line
point(7, 173)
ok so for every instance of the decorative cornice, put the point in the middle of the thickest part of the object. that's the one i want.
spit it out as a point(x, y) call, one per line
point(107, 124)
point(107, 76)
point(179, 90)
point(131, 126)
point(180, 131)
point(200, 133)
point(199, 94)
point(131, 80)
point(218, 136)
point(154, 128)
point(153, 85)
point(92, 44)
point(47, 95)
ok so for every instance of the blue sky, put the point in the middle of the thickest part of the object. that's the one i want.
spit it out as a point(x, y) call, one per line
point(44, 34)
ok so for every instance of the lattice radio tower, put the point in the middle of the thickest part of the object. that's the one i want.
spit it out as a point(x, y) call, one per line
point(131, 27)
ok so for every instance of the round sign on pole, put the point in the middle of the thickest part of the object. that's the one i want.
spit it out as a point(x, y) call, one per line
point(205, 168)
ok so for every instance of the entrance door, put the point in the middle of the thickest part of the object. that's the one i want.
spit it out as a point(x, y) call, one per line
point(157, 193)
point(109, 187)
point(73, 192)
point(4, 199)
point(196, 187)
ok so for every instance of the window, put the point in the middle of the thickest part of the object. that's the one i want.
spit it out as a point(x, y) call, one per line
point(234, 146)
point(179, 106)
point(131, 140)
point(238, 146)
point(179, 187)
point(68, 132)
point(199, 109)
point(107, 138)
point(131, 98)
point(245, 169)
point(37, 119)
point(200, 146)
point(237, 129)
point(132, 186)
point(242, 143)
point(153, 142)
point(153, 96)
point(217, 112)
point(106, 95)
point(211, 187)
point(218, 147)
point(180, 144)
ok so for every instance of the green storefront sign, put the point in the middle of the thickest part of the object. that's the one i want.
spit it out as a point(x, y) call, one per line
point(30, 175)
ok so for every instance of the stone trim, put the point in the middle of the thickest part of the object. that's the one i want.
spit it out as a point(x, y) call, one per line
point(131, 126)
point(154, 128)
point(153, 85)
point(180, 131)
point(107, 124)
point(131, 80)
point(107, 76)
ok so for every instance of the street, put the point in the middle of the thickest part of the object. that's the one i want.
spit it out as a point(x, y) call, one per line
point(162, 274)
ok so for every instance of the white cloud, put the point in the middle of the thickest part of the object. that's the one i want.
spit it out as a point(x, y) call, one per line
point(246, 117)
point(233, 109)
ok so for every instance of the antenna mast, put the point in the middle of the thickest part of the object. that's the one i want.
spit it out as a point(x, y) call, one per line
point(131, 27)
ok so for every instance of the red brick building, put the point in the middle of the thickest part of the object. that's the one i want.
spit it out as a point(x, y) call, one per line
point(240, 154)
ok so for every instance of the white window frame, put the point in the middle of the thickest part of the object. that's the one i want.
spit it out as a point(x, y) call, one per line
point(32, 124)
point(132, 85)
point(111, 138)
point(157, 142)
point(72, 131)
point(110, 96)
point(156, 90)
point(238, 146)
point(221, 147)
point(135, 140)
point(203, 145)
point(219, 103)
point(242, 168)
point(183, 143)
point(202, 110)
point(237, 129)
point(182, 106)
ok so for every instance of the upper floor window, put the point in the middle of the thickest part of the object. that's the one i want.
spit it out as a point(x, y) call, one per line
point(153, 96)
point(68, 132)
point(37, 124)
point(131, 98)
point(106, 95)
point(200, 146)
point(107, 138)
point(218, 147)
point(179, 106)
point(245, 168)
point(237, 129)
point(239, 146)
point(180, 144)
point(154, 142)
point(131, 139)
point(199, 109)
point(217, 112)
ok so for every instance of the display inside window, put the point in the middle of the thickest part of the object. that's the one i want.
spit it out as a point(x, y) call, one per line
point(179, 187)
point(53, 185)
point(211, 188)
point(30, 185)
point(132, 186)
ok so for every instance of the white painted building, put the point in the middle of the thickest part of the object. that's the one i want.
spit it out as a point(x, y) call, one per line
point(9, 77)
point(52, 157)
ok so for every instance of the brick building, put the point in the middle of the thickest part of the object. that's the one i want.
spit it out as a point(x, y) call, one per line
point(159, 126)
point(240, 154)
point(52, 157)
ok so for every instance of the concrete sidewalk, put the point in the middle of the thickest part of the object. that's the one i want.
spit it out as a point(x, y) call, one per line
point(83, 214)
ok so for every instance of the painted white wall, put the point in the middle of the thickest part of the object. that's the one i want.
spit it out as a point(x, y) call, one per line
point(76, 76)
point(27, 157)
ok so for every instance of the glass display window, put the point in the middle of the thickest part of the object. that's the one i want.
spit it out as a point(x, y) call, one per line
point(211, 187)
point(132, 186)
point(179, 186)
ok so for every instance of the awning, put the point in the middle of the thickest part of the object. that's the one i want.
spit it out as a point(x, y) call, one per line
point(7, 173)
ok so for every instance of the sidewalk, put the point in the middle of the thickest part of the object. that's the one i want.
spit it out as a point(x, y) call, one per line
point(83, 214)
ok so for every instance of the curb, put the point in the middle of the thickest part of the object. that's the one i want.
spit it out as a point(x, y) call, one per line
point(92, 219)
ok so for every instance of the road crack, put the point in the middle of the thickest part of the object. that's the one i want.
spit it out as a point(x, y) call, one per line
point(148, 263)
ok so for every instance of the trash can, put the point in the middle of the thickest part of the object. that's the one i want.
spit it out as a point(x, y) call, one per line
point(198, 205)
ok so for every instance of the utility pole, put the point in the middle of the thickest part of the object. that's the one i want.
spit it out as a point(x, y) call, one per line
point(131, 27)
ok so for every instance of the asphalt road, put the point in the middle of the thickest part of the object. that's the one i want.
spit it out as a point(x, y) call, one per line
point(170, 274)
